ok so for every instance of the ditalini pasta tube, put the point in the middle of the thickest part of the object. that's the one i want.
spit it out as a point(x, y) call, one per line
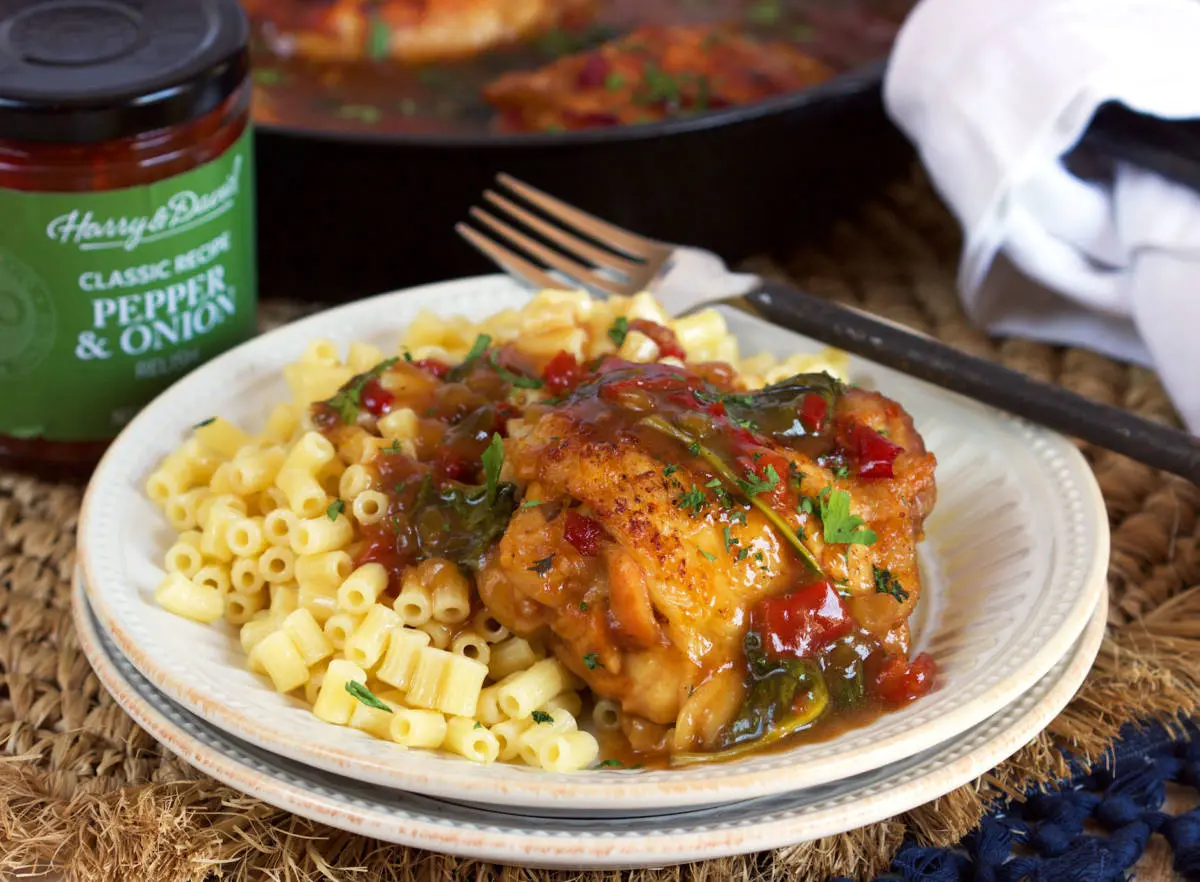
point(397, 667)
point(467, 738)
point(446, 682)
point(417, 728)
point(334, 704)
point(524, 692)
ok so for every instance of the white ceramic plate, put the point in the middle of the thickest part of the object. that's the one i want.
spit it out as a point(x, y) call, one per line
point(563, 842)
point(1015, 559)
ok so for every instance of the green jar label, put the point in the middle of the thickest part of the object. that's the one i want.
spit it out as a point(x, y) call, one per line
point(106, 298)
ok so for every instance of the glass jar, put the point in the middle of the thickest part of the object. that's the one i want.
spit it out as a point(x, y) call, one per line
point(126, 213)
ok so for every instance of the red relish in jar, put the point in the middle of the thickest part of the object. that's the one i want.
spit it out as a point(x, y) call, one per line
point(126, 212)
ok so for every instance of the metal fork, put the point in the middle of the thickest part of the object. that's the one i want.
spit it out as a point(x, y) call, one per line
point(610, 261)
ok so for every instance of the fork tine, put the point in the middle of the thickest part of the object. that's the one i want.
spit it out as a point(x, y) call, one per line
point(601, 231)
point(574, 271)
point(506, 258)
point(564, 239)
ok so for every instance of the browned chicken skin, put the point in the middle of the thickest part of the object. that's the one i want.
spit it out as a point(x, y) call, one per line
point(654, 614)
point(412, 31)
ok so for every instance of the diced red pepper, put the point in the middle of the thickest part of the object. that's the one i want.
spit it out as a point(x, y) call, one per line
point(813, 410)
point(583, 532)
point(668, 343)
point(900, 681)
point(716, 408)
point(562, 374)
point(451, 467)
point(438, 368)
point(873, 453)
point(375, 399)
point(803, 623)
point(505, 411)
point(593, 72)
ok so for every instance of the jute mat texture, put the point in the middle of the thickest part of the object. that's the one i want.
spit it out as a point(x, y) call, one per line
point(83, 789)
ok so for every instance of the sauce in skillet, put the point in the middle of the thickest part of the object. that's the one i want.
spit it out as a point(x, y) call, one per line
point(384, 97)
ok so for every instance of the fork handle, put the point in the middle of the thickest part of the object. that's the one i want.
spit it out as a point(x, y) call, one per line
point(927, 359)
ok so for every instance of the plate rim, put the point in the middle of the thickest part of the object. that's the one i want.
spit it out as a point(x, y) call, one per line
point(550, 852)
point(615, 789)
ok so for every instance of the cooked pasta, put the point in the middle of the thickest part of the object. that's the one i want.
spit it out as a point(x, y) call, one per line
point(397, 667)
point(358, 592)
point(184, 558)
point(240, 608)
point(467, 738)
point(280, 534)
point(414, 727)
point(180, 595)
point(365, 645)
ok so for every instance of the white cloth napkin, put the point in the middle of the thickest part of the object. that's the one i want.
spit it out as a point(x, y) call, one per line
point(994, 93)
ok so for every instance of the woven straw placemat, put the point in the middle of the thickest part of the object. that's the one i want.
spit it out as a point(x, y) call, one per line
point(84, 789)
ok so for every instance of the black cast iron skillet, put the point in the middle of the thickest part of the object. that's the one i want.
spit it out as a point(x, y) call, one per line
point(345, 216)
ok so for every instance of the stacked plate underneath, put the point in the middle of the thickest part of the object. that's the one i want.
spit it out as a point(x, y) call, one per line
point(1012, 610)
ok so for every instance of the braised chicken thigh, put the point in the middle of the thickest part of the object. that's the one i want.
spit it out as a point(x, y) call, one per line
point(723, 564)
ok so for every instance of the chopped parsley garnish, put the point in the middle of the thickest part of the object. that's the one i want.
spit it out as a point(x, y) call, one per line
point(694, 448)
point(614, 81)
point(765, 12)
point(493, 460)
point(518, 380)
point(394, 448)
point(738, 517)
point(670, 470)
point(610, 764)
point(365, 695)
point(203, 423)
point(839, 525)
point(530, 503)
point(379, 39)
point(478, 725)
point(729, 540)
point(715, 482)
point(541, 567)
point(886, 583)
point(408, 356)
point(758, 556)
point(743, 554)
point(482, 342)
point(540, 716)
point(693, 499)
point(619, 330)
point(591, 661)
point(335, 508)
point(346, 402)
point(366, 113)
point(707, 556)
point(841, 472)
point(752, 484)
point(806, 506)
point(583, 607)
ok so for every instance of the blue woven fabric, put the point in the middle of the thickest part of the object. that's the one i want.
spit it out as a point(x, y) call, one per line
point(1123, 798)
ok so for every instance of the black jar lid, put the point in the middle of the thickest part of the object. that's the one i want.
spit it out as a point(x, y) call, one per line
point(85, 71)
